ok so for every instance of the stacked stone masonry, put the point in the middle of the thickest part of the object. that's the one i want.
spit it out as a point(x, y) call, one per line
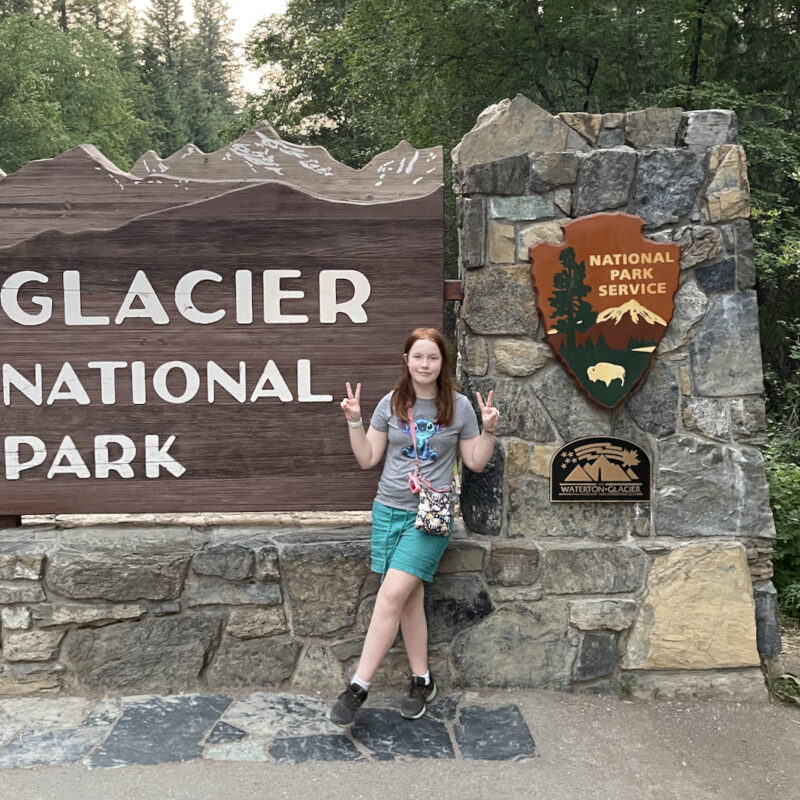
point(669, 598)
point(666, 599)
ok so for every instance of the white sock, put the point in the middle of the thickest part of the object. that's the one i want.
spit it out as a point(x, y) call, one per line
point(427, 677)
point(360, 682)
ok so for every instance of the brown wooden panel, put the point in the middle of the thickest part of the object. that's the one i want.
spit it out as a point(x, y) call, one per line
point(255, 454)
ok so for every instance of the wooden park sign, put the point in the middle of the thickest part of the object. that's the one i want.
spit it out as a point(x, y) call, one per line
point(178, 340)
point(605, 296)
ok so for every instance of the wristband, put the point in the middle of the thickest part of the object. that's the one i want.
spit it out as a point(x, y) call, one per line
point(358, 424)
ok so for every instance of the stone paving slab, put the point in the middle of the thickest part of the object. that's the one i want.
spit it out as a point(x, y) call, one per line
point(271, 727)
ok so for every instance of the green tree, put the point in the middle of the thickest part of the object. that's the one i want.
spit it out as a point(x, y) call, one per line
point(571, 313)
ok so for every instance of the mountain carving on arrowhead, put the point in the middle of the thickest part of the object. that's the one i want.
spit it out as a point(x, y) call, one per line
point(632, 309)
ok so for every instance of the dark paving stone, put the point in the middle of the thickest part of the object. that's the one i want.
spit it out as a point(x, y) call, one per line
point(444, 707)
point(493, 734)
point(223, 733)
point(156, 730)
point(387, 735)
point(30, 749)
point(327, 747)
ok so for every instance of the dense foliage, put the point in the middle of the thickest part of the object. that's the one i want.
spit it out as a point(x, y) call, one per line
point(358, 75)
point(77, 71)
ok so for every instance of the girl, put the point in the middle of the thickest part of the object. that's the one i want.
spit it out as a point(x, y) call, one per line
point(402, 554)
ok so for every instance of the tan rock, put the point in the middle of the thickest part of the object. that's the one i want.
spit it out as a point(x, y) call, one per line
point(698, 612)
point(31, 645)
point(540, 460)
point(550, 232)
point(319, 672)
point(728, 193)
point(744, 685)
point(16, 618)
point(516, 457)
point(502, 246)
point(520, 357)
point(252, 623)
point(510, 128)
point(589, 615)
point(686, 381)
point(587, 125)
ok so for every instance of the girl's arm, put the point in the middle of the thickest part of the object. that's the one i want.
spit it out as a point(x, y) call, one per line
point(368, 446)
point(476, 452)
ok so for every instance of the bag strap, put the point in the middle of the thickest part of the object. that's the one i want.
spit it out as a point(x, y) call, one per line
point(413, 427)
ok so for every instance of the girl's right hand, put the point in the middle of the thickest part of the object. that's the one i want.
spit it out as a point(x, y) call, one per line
point(351, 405)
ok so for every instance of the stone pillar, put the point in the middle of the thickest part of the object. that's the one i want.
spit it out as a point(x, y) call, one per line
point(649, 598)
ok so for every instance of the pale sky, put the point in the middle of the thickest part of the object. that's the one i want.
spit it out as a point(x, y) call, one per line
point(245, 14)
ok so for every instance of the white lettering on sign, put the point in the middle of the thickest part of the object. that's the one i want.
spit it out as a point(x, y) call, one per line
point(141, 300)
point(69, 461)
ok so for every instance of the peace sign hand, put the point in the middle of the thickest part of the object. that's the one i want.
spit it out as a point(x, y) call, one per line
point(351, 405)
point(490, 417)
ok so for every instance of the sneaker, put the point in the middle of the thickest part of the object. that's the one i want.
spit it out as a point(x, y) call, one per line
point(346, 706)
point(419, 695)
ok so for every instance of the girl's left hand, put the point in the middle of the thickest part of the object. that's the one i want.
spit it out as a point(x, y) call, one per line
point(490, 416)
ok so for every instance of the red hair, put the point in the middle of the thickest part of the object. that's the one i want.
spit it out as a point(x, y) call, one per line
point(404, 394)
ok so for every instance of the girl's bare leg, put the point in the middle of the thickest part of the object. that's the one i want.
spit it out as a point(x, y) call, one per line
point(415, 630)
point(392, 597)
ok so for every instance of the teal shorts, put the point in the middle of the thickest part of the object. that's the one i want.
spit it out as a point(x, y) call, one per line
point(397, 544)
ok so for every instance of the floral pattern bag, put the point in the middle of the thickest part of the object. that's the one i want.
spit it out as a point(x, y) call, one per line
point(435, 509)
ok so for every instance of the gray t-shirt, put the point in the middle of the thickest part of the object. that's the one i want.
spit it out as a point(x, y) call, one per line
point(437, 446)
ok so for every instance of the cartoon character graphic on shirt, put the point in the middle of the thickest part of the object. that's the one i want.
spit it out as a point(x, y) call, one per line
point(425, 429)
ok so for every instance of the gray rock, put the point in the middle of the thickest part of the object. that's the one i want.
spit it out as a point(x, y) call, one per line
point(16, 618)
point(589, 615)
point(463, 556)
point(598, 656)
point(472, 232)
point(50, 748)
point(653, 127)
point(254, 662)
point(324, 747)
point(518, 646)
point(454, 603)
point(474, 355)
point(18, 562)
point(513, 563)
point(482, 496)
point(707, 416)
point(509, 128)
point(98, 563)
point(589, 568)
point(48, 615)
point(203, 591)
point(500, 300)
point(654, 404)
point(522, 209)
point(508, 176)
point(604, 181)
point(20, 592)
point(741, 684)
point(725, 351)
point(549, 170)
point(690, 306)
point(703, 129)
point(31, 645)
point(744, 251)
point(768, 623)
point(521, 413)
point(319, 672)
point(531, 515)
point(666, 186)
point(572, 412)
point(385, 736)
point(493, 734)
point(699, 491)
point(230, 560)
point(323, 584)
point(610, 137)
point(255, 623)
point(164, 654)
point(749, 419)
point(718, 277)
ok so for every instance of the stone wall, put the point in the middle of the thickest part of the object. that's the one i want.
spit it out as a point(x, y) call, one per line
point(121, 609)
point(656, 599)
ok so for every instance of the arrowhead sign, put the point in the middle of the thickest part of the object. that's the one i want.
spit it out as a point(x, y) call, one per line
point(605, 296)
